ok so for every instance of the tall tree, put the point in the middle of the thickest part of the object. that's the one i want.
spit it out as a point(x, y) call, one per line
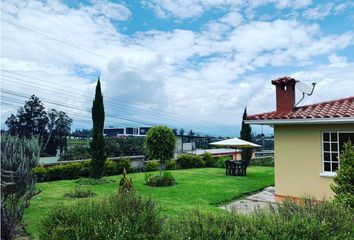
point(97, 144)
point(62, 129)
point(246, 134)
point(30, 120)
point(51, 128)
point(174, 131)
point(181, 132)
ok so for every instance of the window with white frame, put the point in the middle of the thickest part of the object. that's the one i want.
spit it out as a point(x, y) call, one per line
point(332, 145)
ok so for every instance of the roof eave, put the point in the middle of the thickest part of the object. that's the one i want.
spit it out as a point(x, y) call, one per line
point(343, 120)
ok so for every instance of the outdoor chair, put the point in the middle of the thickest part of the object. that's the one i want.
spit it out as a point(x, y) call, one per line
point(230, 167)
point(241, 168)
point(227, 162)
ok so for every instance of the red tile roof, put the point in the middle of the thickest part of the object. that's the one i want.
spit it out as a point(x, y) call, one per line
point(340, 108)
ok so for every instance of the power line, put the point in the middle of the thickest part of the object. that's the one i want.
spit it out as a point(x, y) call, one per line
point(13, 93)
point(119, 105)
point(93, 53)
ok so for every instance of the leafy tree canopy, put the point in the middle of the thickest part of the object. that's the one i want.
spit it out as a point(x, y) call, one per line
point(160, 144)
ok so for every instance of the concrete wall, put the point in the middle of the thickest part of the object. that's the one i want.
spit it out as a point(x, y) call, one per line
point(298, 160)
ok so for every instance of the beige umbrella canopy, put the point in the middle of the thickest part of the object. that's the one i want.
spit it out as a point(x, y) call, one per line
point(235, 142)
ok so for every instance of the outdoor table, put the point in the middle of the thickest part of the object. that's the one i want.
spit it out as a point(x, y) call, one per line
point(235, 168)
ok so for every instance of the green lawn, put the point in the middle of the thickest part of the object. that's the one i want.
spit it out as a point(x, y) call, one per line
point(203, 188)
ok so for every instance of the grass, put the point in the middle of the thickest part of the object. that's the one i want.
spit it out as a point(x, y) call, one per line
point(204, 189)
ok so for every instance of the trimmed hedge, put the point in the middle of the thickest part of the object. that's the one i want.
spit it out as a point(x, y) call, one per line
point(78, 169)
point(220, 161)
point(190, 161)
point(264, 161)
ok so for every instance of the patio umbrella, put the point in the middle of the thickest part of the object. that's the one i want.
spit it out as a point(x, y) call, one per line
point(235, 142)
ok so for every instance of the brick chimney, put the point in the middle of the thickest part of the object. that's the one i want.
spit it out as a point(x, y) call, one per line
point(285, 94)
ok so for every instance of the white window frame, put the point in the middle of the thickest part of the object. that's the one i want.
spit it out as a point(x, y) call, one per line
point(330, 173)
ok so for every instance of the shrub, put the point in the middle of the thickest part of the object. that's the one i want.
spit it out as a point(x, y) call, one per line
point(208, 159)
point(116, 217)
point(62, 171)
point(76, 153)
point(309, 220)
point(171, 164)
point(80, 192)
point(110, 167)
point(220, 161)
point(165, 180)
point(123, 163)
point(40, 172)
point(111, 147)
point(18, 157)
point(125, 184)
point(344, 180)
point(264, 161)
point(190, 161)
point(151, 166)
point(76, 170)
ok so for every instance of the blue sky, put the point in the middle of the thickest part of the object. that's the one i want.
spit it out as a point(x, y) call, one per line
point(192, 64)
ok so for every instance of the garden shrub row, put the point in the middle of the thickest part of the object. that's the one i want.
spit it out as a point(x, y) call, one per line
point(262, 161)
point(78, 169)
point(186, 161)
point(132, 217)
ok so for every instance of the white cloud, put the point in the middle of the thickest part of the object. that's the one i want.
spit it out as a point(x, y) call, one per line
point(111, 10)
point(337, 61)
point(201, 75)
point(319, 12)
point(184, 9)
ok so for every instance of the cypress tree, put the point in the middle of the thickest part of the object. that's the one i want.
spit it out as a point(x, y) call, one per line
point(246, 134)
point(97, 144)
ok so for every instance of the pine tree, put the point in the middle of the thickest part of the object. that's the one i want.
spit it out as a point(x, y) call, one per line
point(246, 134)
point(97, 144)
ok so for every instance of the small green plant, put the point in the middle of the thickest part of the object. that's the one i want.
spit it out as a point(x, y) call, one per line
point(125, 184)
point(171, 165)
point(220, 161)
point(151, 166)
point(208, 159)
point(123, 163)
point(110, 167)
point(80, 192)
point(344, 180)
point(165, 180)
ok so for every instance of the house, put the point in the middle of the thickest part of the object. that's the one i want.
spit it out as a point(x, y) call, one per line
point(126, 131)
point(307, 141)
